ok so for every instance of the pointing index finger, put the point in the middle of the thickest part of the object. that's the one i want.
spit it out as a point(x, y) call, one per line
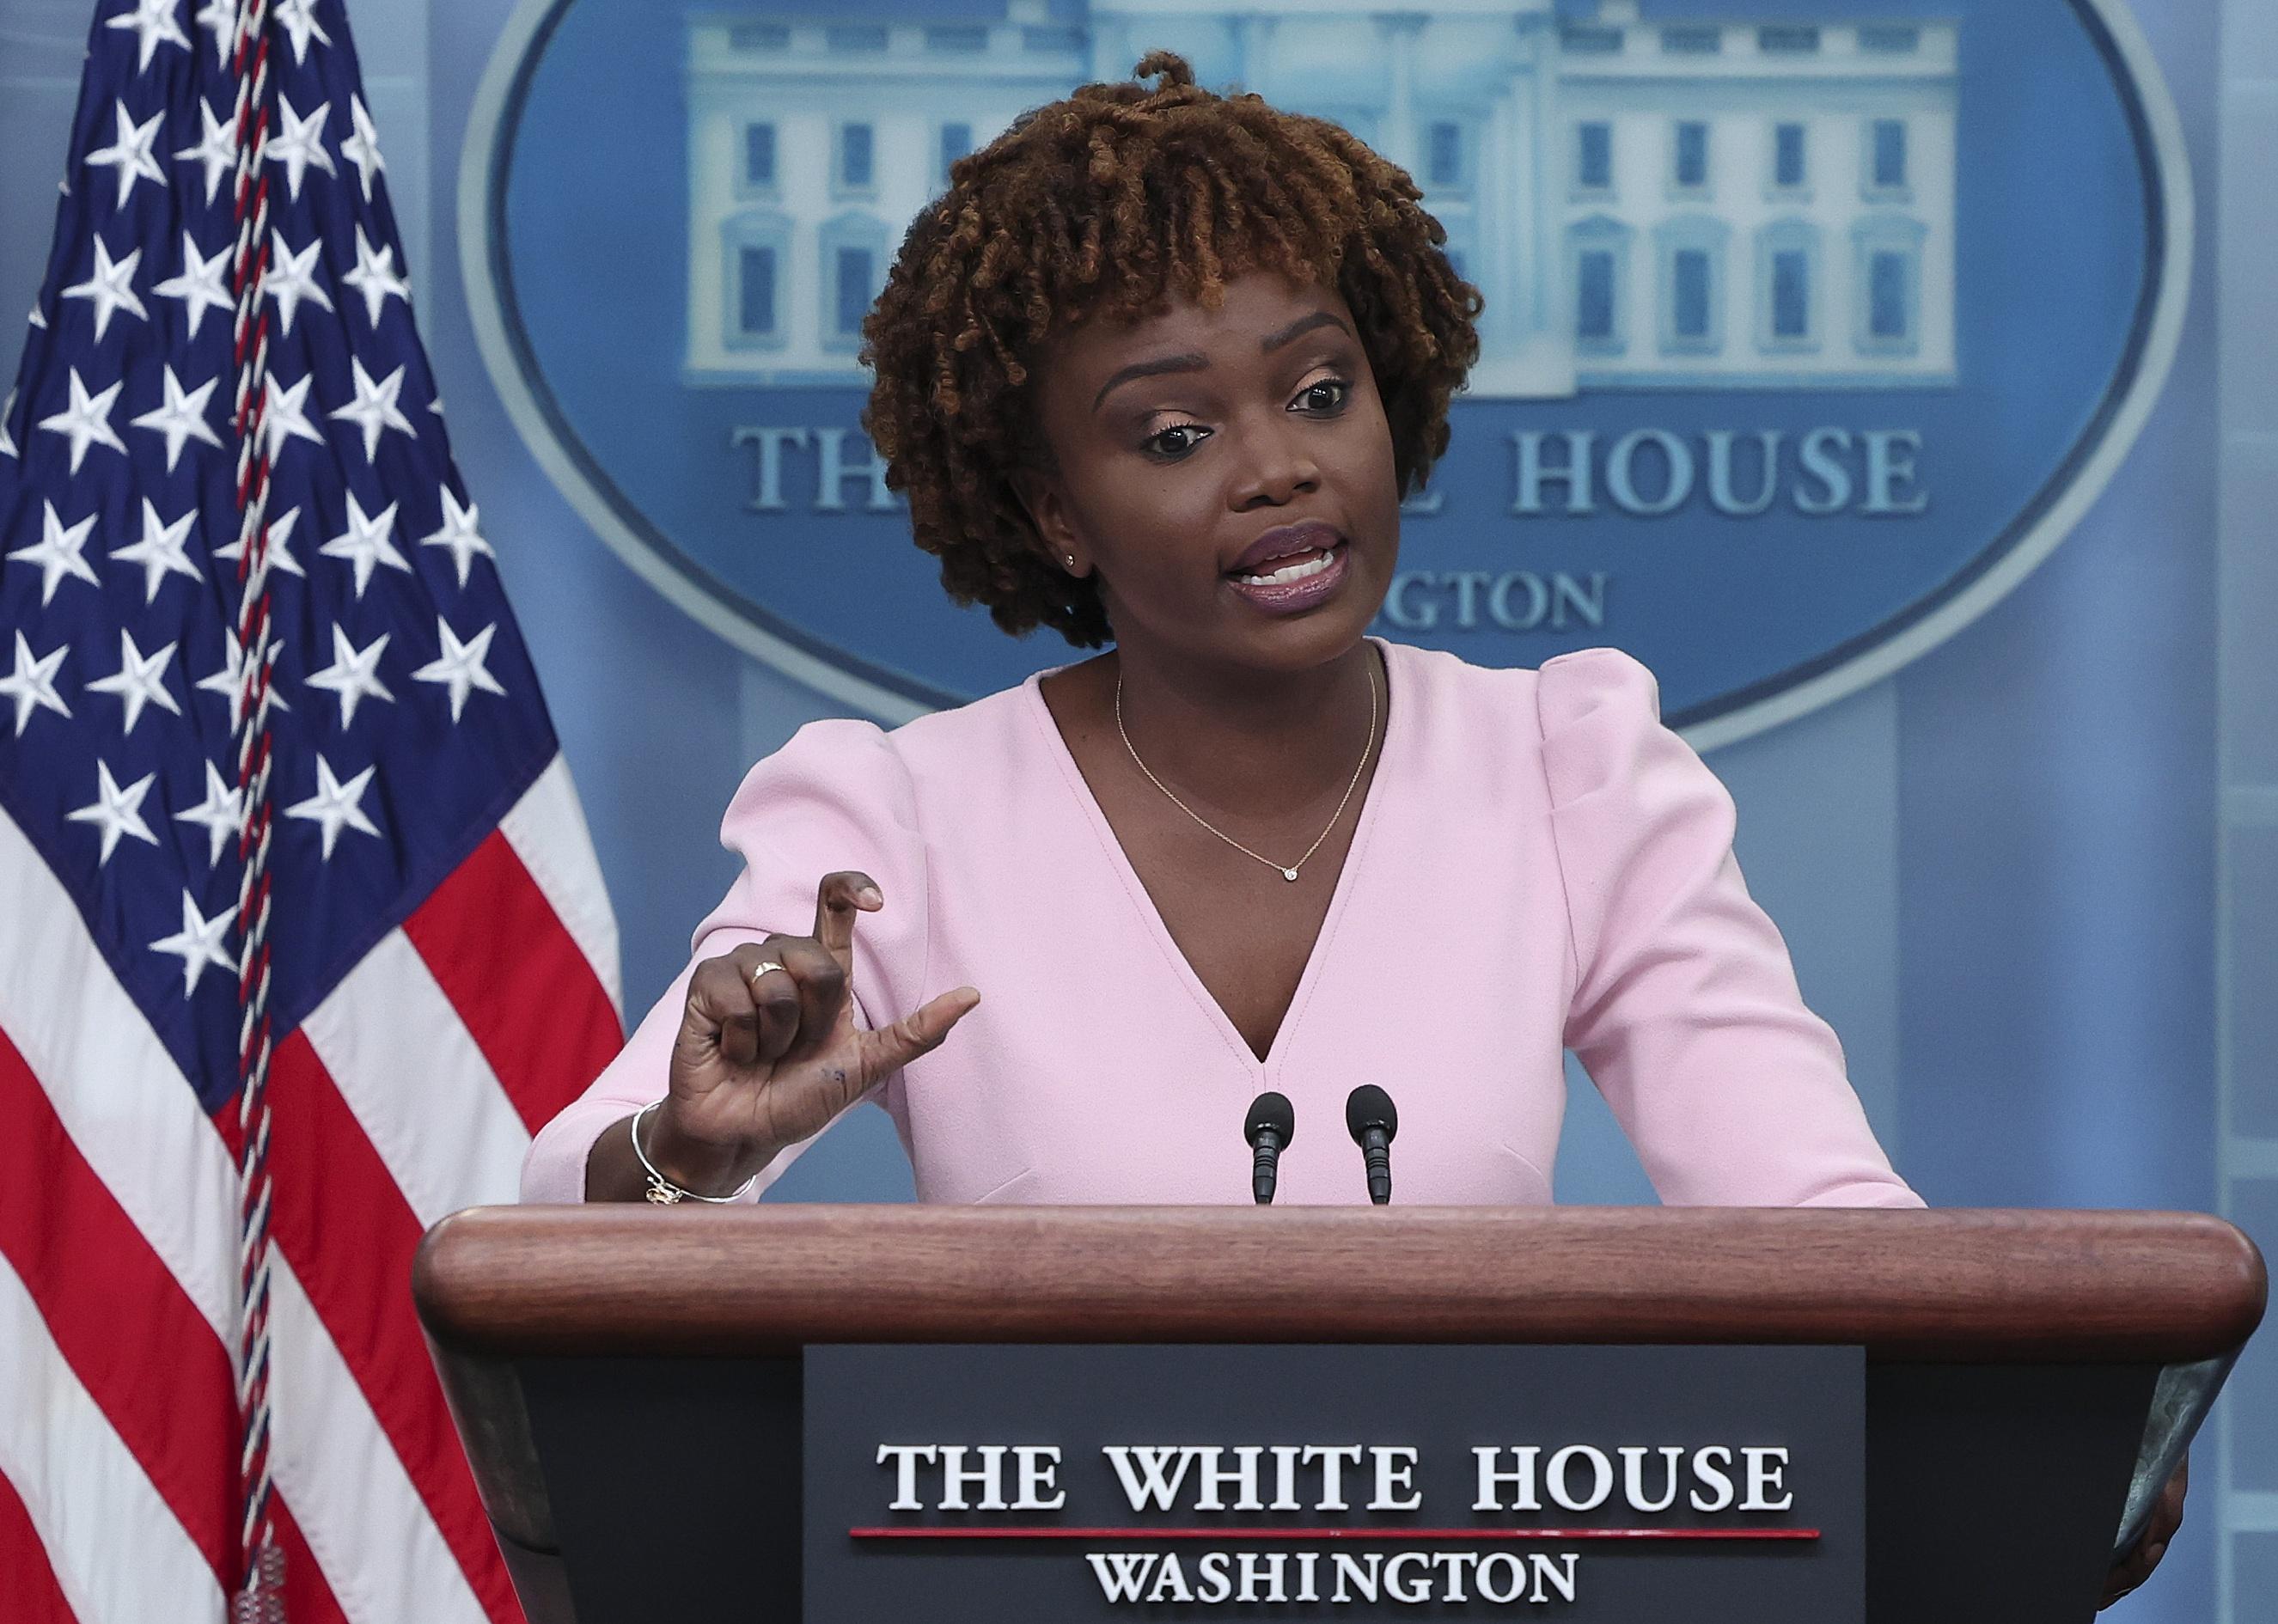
point(836, 901)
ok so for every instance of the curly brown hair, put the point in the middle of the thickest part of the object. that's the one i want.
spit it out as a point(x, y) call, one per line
point(1105, 204)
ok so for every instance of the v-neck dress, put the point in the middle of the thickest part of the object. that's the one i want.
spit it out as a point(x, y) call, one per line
point(1539, 864)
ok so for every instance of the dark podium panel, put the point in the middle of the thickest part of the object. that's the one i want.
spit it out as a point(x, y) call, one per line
point(628, 1379)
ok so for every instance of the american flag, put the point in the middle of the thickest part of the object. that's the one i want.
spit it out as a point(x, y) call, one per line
point(301, 931)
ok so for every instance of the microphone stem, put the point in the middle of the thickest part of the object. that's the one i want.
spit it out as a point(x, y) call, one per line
point(1265, 1168)
point(1379, 1157)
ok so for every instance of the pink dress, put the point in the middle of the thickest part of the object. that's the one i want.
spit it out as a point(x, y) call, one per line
point(1539, 864)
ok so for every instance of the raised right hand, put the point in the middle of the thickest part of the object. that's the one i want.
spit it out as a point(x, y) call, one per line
point(763, 1063)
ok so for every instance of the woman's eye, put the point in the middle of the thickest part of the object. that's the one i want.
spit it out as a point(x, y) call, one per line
point(1328, 395)
point(1177, 441)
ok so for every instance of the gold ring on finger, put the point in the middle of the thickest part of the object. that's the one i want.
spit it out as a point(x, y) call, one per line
point(762, 967)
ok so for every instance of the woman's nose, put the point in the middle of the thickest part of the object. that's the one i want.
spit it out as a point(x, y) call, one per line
point(1281, 468)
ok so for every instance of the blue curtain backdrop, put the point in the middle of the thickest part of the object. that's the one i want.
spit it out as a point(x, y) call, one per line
point(2032, 880)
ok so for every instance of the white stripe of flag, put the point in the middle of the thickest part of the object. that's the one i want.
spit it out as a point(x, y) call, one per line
point(404, 1062)
point(380, 1551)
point(119, 1554)
point(546, 829)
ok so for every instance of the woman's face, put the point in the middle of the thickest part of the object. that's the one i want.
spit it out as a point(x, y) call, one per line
point(1186, 440)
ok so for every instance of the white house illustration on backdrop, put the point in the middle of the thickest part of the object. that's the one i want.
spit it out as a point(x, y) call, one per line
point(1644, 205)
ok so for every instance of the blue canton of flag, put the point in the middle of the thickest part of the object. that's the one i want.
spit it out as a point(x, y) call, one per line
point(406, 716)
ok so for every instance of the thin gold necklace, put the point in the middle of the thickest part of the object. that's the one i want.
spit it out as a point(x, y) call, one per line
point(1290, 873)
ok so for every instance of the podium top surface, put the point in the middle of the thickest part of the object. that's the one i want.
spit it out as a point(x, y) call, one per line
point(1998, 1285)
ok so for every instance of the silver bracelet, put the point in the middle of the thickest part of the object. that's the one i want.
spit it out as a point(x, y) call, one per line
point(662, 1190)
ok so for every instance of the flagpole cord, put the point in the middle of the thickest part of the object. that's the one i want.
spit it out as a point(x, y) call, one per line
point(260, 1599)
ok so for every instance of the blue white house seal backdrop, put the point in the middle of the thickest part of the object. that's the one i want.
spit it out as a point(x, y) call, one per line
point(1805, 337)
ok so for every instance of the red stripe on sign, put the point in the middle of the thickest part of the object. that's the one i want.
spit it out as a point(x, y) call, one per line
point(138, 1345)
point(308, 1599)
point(1481, 1536)
point(518, 979)
point(33, 1596)
point(343, 1225)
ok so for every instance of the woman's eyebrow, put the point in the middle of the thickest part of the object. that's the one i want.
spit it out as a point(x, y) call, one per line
point(1301, 325)
point(1191, 361)
point(1187, 362)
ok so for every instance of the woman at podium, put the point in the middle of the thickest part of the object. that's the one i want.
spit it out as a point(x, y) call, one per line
point(1156, 373)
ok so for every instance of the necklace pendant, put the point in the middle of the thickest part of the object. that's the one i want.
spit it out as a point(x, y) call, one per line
point(1288, 874)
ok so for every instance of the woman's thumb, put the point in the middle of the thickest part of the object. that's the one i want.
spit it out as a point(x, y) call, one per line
point(921, 1032)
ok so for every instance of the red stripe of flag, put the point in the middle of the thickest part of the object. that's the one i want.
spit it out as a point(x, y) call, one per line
point(33, 1596)
point(307, 1599)
point(130, 1333)
point(343, 1225)
point(518, 978)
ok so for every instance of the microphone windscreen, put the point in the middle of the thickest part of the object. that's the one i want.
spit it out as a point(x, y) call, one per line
point(1271, 1111)
point(1368, 1107)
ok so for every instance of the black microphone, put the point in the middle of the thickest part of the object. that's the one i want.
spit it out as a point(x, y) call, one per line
point(1271, 1125)
point(1370, 1115)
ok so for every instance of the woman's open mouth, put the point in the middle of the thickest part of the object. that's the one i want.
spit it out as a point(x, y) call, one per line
point(1288, 582)
point(1297, 569)
point(1297, 583)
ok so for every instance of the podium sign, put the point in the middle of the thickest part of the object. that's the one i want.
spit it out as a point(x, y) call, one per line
point(967, 1485)
point(633, 1384)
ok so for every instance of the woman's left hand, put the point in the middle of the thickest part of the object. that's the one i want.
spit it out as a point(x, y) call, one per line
point(2166, 1517)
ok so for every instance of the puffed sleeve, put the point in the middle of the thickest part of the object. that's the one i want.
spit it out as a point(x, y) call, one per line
point(1686, 1011)
point(836, 796)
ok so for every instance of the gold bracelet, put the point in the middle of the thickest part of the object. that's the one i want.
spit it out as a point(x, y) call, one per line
point(662, 1190)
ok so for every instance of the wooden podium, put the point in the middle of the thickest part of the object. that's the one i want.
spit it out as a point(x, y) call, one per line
point(627, 1378)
